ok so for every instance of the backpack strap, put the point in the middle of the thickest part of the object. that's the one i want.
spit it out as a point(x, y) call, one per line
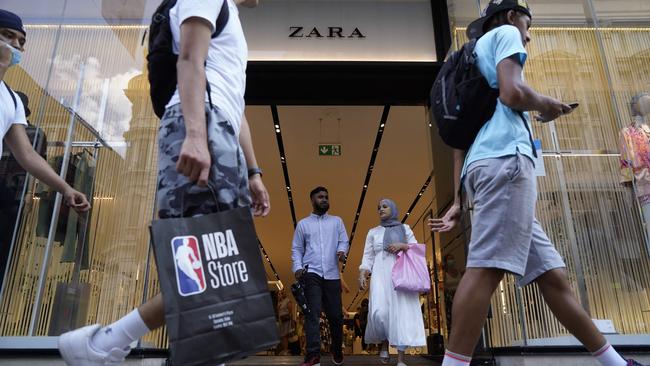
point(222, 19)
point(13, 96)
point(530, 134)
point(220, 24)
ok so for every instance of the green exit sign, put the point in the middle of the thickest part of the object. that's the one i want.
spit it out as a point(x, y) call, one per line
point(329, 150)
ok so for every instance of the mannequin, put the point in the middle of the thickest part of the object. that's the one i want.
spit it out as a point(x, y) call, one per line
point(634, 146)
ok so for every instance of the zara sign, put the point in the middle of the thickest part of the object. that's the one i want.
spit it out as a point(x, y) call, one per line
point(329, 32)
point(340, 30)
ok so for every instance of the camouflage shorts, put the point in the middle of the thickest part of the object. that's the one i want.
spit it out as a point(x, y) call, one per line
point(177, 196)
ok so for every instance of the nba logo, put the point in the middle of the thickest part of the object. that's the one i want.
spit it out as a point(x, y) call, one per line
point(189, 267)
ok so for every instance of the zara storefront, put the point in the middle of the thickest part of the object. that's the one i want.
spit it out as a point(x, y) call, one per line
point(84, 72)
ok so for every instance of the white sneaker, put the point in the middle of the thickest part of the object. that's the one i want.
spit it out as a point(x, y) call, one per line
point(76, 350)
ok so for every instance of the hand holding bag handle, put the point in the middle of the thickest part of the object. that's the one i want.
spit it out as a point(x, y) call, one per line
point(410, 272)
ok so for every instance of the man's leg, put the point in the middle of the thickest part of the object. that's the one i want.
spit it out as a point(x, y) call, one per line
point(557, 293)
point(469, 312)
point(153, 312)
point(128, 329)
point(333, 310)
point(313, 293)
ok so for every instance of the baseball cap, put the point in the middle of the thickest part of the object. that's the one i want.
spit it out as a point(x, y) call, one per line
point(11, 21)
point(476, 28)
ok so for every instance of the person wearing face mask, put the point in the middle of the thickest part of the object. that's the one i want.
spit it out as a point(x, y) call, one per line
point(12, 115)
point(204, 139)
point(634, 146)
point(394, 317)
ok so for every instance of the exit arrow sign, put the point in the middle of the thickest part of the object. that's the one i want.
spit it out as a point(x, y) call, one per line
point(329, 150)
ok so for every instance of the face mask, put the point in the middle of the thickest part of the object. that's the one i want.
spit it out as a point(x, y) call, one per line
point(16, 55)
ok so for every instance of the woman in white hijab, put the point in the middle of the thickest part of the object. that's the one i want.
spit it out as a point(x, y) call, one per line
point(394, 317)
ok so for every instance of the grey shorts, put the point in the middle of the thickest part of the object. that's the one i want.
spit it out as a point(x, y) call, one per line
point(176, 195)
point(505, 232)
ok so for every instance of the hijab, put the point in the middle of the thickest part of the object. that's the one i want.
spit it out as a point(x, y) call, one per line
point(395, 232)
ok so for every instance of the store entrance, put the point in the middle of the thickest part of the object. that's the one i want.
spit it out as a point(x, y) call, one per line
point(360, 154)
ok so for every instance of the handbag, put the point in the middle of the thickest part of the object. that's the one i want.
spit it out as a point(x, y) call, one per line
point(217, 304)
point(410, 272)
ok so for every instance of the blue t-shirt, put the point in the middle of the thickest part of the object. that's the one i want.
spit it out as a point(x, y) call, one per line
point(504, 134)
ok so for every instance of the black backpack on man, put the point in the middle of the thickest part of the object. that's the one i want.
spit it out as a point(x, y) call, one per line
point(462, 100)
point(161, 58)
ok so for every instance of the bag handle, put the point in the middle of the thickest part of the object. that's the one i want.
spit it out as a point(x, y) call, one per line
point(212, 193)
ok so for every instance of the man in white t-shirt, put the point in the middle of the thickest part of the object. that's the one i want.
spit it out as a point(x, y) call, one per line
point(203, 141)
point(12, 116)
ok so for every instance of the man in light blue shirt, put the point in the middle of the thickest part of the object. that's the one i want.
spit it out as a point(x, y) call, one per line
point(320, 242)
point(498, 174)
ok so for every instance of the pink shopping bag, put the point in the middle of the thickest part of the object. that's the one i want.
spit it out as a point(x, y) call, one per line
point(410, 272)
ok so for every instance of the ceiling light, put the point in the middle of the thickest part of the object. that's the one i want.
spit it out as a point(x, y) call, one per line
point(365, 186)
point(277, 126)
point(429, 124)
point(277, 130)
point(381, 125)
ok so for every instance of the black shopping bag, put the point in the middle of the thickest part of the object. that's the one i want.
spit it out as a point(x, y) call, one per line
point(217, 304)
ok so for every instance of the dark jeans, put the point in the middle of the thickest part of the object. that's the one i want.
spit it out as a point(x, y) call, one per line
point(327, 293)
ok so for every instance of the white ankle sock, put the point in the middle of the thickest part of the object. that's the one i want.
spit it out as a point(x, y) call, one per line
point(121, 333)
point(454, 359)
point(607, 356)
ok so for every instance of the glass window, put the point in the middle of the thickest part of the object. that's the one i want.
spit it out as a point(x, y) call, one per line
point(84, 71)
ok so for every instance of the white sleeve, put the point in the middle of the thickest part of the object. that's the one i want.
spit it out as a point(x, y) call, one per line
point(204, 9)
point(19, 117)
point(410, 237)
point(368, 254)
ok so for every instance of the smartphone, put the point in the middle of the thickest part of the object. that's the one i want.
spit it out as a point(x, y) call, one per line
point(573, 106)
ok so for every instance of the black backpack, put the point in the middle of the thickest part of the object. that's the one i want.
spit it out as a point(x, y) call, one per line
point(462, 101)
point(161, 60)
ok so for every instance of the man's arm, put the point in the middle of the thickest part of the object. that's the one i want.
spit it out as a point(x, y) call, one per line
point(18, 143)
point(298, 252)
point(452, 216)
point(260, 196)
point(343, 241)
point(516, 94)
point(459, 160)
point(194, 160)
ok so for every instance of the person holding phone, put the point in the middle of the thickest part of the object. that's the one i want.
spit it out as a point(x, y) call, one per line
point(498, 172)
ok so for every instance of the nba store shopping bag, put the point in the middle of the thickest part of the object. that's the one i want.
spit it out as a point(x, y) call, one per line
point(410, 272)
point(217, 304)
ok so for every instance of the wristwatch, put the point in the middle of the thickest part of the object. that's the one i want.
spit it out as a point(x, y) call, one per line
point(253, 171)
